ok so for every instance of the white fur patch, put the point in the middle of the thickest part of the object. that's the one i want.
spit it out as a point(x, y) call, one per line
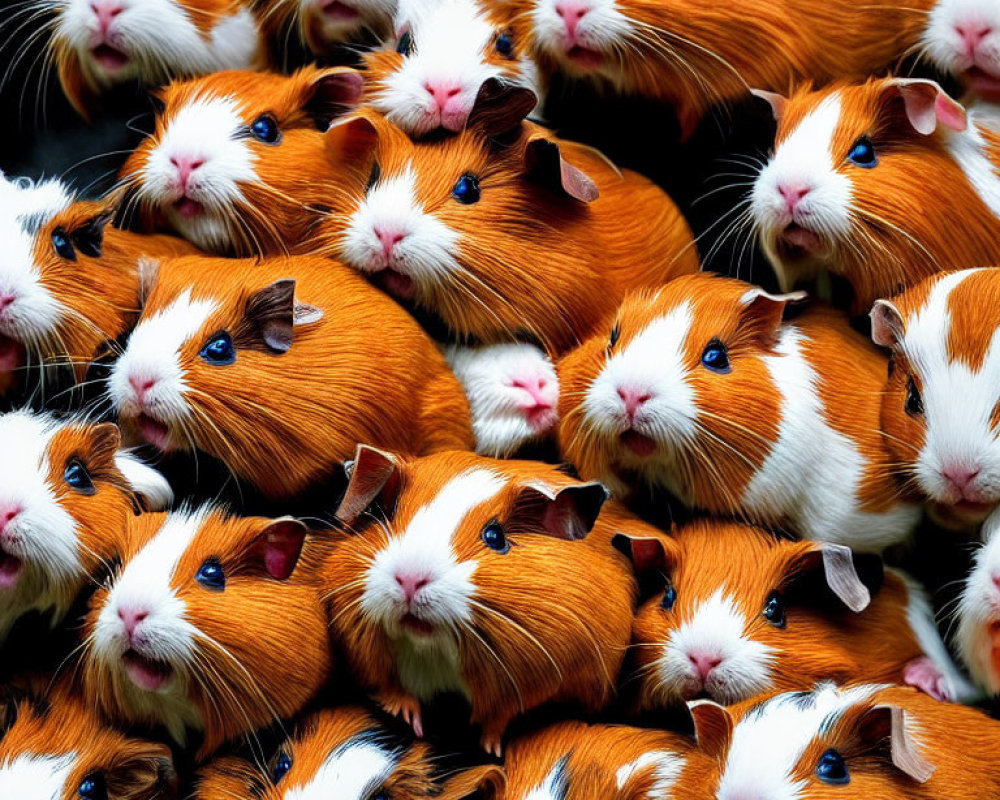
point(145, 481)
point(555, 786)
point(946, 48)
point(972, 152)
point(353, 771)
point(666, 767)
point(36, 777)
point(603, 28)
point(978, 609)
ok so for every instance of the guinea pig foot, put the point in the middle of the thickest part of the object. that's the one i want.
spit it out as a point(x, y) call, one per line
point(405, 707)
point(492, 742)
point(923, 674)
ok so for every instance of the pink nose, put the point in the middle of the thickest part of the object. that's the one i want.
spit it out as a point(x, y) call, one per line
point(6, 300)
point(131, 618)
point(704, 664)
point(571, 12)
point(106, 10)
point(140, 386)
point(389, 237)
point(959, 476)
point(7, 513)
point(634, 399)
point(411, 584)
point(793, 194)
point(185, 165)
point(971, 35)
point(535, 387)
point(442, 93)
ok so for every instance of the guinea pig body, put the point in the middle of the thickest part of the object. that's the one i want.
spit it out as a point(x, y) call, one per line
point(325, 25)
point(279, 368)
point(529, 235)
point(97, 44)
point(212, 623)
point(479, 581)
point(854, 173)
point(236, 162)
point(744, 612)
point(963, 37)
point(702, 388)
point(66, 500)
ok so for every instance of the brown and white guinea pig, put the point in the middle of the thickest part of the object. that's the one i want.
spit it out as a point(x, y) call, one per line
point(66, 500)
point(96, 44)
point(703, 388)
point(470, 575)
point(279, 368)
point(513, 394)
point(237, 159)
point(743, 612)
point(325, 25)
point(962, 37)
point(529, 235)
point(939, 407)
point(53, 747)
point(977, 616)
point(692, 54)
point(69, 281)
point(429, 76)
point(853, 186)
point(211, 623)
point(576, 761)
point(856, 741)
point(349, 754)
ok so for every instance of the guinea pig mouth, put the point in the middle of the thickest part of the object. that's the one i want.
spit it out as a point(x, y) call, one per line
point(110, 58)
point(147, 673)
point(640, 444)
point(153, 431)
point(334, 9)
point(188, 208)
point(797, 242)
point(964, 513)
point(413, 624)
point(984, 83)
point(395, 283)
point(10, 570)
point(584, 57)
point(12, 354)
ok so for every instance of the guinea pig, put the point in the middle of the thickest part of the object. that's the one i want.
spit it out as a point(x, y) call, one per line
point(69, 281)
point(430, 75)
point(279, 368)
point(892, 743)
point(237, 161)
point(692, 54)
point(475, 576)
point(743, 612)
point(212, 623)
point(325, 25)
point(852, 186)
point(513, 394)
point(527, 234)
point(977, 616)
point(939, 414)
point(52, 747)
point(703, 388)
point(66, 500)
point(349, 754)
point(962, 37)
point(96, 44)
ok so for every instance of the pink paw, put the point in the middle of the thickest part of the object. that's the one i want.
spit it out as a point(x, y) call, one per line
point(924, 674)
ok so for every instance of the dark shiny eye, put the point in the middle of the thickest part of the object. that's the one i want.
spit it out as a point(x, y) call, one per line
point(914, 402)
point(495, 538)
point(93, 787)
point(774, 610)
point(405, 46)
point(374, 176)
point(716, 357)
point(62, 244)
point(863, 153)
point(219, 350)
point(669, 598)
point(265, 129)
point(281, 766)
point(381, 796)
point(77, 477)
point(832, 769)
point(466, 190)
point(616, 332)
point(211, 575)
point(505, 45)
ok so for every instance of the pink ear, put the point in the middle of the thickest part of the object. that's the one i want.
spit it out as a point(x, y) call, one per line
point(778, 102)
point(280, 544)
point(928, 105)
point(647, 554)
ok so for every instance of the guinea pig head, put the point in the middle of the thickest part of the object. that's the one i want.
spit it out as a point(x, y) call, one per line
point(211, 623)
point(978, 617)
point(235, 157)
point(742, 612)
point(325, 24)
point(963, 37)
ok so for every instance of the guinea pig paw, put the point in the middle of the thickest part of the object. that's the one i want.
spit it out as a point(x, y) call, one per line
point(405, 707)
point(923, 674)
point(492, 743)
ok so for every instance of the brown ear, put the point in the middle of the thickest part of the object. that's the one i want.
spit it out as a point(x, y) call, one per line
point(149, 271)
point(331, 94)
point(351, 140)
point(762, 312)
point(278, 547)
point(777, 102)
point(891, 722)
point(544, 164)
point(647, 553)
point(928, 105)
point(146, 774)
point(105, 439)
point(713, 727)
point(887, 324)
point(488, 782)
point(372, 473)
point(569, 513)
point(500, 107)
point(273, 313)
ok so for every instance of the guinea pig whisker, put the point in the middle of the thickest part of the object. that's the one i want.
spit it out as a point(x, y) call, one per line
point(358, 584)
point(496, 657)
point(527, 634)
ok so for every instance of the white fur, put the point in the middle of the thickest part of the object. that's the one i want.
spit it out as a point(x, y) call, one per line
point(666, 766)
point(604, 28)
point(978, 609)
point(145, 481)
point(36, 777)
point(971, 151)
point(554, 786)
point(373, 14)
point(945, 47)
point(353, 771)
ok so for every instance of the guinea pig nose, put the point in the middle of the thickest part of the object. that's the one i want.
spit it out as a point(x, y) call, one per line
point(571, 12)
point(973, 34)
point(7, 513)
point(442, 92)
point(185, 165)
point(793, 194)
point(704, 664)
point(5, 300)
point(141, 385)
point(411, 584)
point(535, 387)
point(960, 476)
point(634, 399)
point(131, 618)
point(389, 237)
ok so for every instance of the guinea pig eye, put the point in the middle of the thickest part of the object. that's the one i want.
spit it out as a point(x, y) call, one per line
point(211, 575)
point(281, 766)
point(265, 129)
point(466, 190)
point(93, 787)
point(774, 610)
point(669, 598)
point(505, 45)
point(495, 538)
point(832, 769)
point(862, 153)
point(914, 402)
point(381, 795)
point(63, 245)
point(405, 45)
point(715, 357)
point(373, 176)
point(219, 350)
point(77, 477)
point(616, 332)
point(88, 240)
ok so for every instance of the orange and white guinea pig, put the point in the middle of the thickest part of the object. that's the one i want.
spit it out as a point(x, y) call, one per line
point(69, 281)
point(53, 747)
point(236, 162)
point(429, 76)
point(470, 575)
point(892, 743)
point(742, 612)
point(529, 235)
point(67, 495)
point(96, 44)
point(213, 624)
point(324, 25)
point(279, 368)
point(350, 754)
point(853, 186)
point(963, 37)
point(702, 388)
point(939, 407)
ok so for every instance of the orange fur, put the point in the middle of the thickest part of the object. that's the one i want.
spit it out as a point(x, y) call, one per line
point(279, 17)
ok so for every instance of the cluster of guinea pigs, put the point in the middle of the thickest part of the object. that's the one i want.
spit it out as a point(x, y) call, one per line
point(368, 439)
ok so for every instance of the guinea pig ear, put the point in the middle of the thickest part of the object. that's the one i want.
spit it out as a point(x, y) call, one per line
point(144, 481)
point(713, 727)
point(352, 139)
point(89, 236)
point(777, 102)
point(331, 94)
point(887, 721)
point(372, 474)
point(147, 773)
point(488, 782)
point(279, 546)
point(569, 513)
point(928, 105)
point(500, 106)
point(272, 314)
point(852, 577)
point(887, 324)
point(762, 312)
point(647, 553)
point(149, 271)
point(544, 164)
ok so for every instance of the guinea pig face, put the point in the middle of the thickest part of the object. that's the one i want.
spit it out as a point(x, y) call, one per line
point(939, 412)
point(223, 166)
point(963, 38)
point(445, 51)
point(978, 616)
point(324, 23)
point(583, 36)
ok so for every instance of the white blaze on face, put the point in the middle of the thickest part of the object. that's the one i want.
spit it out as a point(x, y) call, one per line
point(35, 777)
point(598, 25)
point(353, 771)
point(953, 27)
